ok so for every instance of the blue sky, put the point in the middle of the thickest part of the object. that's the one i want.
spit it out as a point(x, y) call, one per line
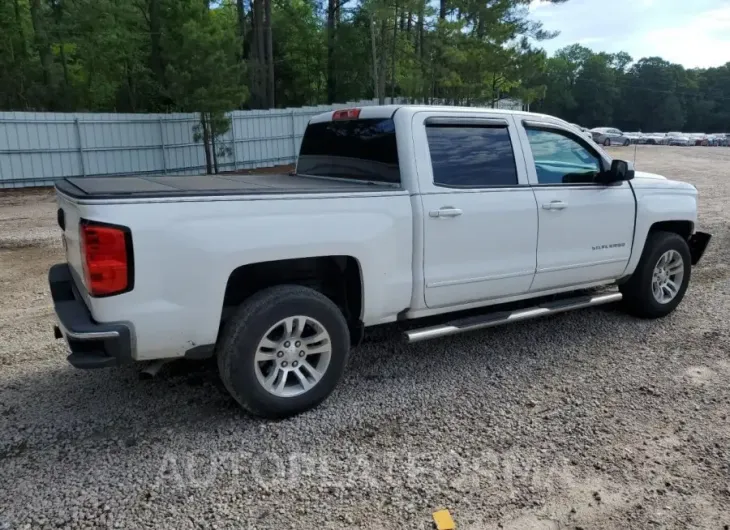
point(694, 33)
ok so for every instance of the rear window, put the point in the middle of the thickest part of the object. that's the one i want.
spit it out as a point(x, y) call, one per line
point(351, 149)
point(471, 156)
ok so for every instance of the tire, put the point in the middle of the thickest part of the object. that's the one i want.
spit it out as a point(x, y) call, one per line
point(626, 143)
point(638, 291)
point(241, 341)
point(607, 142)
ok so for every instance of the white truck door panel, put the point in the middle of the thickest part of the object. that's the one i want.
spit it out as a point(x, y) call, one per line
point(586, 229)
point(485, 252)
point(479, 214)
point(585, 234)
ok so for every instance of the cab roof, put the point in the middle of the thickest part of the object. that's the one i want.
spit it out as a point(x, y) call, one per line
point(386, 111)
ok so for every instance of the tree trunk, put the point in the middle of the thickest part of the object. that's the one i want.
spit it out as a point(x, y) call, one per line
point(64, 62)
point(253, 61)
point(421, 54)
point(382, 67)
point(158, 64)
point(241, 12)
point(41, 42)
point(392, 58)
point(259, 97)
point(212, 143)
point(19, 26)
point(442, 10)
point(132, 99)
point(331, 43)
point(374, 50)
point(480, 27)
point(270, 89)
point(206, 143)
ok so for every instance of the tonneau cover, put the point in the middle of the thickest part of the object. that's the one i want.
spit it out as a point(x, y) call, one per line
point(99, 188)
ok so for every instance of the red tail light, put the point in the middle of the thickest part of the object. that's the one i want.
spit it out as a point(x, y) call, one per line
point(346, 114)
point(106, 251)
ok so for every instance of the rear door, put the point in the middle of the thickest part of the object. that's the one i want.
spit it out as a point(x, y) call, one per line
point(480, 216)
point(586, 229)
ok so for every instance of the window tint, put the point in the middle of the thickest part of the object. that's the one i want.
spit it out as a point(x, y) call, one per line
point(471, 156)
point(562, 159)
point(356, 149)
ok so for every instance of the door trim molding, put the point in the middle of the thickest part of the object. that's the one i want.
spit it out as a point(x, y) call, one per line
point(581, 265)
point(446, 283)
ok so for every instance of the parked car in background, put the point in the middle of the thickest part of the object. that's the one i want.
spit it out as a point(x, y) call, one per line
point(717, 140)
point(678, 138)
point(633, 137)
point(699, 139)
point(654, 139)
point(609, 136)
point(724, 140)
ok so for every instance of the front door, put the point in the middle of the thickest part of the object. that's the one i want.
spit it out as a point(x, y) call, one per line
point(585, 229)
point(480, 217)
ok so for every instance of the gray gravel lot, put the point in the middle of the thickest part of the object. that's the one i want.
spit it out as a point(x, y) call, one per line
point(584, 420)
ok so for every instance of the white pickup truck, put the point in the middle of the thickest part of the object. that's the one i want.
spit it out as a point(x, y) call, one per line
point(394, 213)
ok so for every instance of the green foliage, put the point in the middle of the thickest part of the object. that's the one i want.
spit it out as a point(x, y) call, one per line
point(218, 55)
point(651, 95)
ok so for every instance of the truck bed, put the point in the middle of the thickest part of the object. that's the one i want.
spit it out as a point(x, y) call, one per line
point(100, 188)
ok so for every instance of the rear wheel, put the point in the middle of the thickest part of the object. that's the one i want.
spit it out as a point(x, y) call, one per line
point(626, 143)
point(283, 351)
point(661, 278)
point(607, 142)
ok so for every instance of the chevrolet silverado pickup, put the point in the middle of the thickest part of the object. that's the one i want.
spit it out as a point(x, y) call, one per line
point(454, 219)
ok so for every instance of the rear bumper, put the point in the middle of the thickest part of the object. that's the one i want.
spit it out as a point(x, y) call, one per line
point(93, 345)
point(697, 245)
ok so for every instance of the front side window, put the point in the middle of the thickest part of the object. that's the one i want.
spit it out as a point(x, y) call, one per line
point(562, 159)
point(471, 156)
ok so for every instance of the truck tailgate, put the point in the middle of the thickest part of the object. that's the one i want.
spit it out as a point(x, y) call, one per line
point(69, 218)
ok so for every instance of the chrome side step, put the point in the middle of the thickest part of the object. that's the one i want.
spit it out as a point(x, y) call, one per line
point(505, 317)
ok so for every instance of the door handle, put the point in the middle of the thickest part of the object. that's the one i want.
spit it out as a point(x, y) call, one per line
point(445, 211)
point(555, 205)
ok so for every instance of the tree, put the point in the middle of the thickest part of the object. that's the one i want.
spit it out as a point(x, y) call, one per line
point(196, 55)
point(204, 73)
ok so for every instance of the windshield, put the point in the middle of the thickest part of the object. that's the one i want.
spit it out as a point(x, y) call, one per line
point(351, 149)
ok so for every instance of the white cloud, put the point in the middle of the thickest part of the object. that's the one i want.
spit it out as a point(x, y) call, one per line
point(703, 41)
point(585, 41)
point(538, 5)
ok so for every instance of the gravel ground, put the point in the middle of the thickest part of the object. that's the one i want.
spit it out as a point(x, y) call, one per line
point(584, 420)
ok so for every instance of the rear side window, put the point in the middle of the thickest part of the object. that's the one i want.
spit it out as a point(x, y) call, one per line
point(471, 156)
point(351, 149)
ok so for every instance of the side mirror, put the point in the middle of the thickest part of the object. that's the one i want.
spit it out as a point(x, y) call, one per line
point(620, 171)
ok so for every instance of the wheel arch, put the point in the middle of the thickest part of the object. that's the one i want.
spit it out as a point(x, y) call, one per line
point(339, 277)
point(684, 228)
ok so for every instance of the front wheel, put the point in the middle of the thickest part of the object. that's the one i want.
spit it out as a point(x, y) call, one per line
point(661, 278)
point(283, 351)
